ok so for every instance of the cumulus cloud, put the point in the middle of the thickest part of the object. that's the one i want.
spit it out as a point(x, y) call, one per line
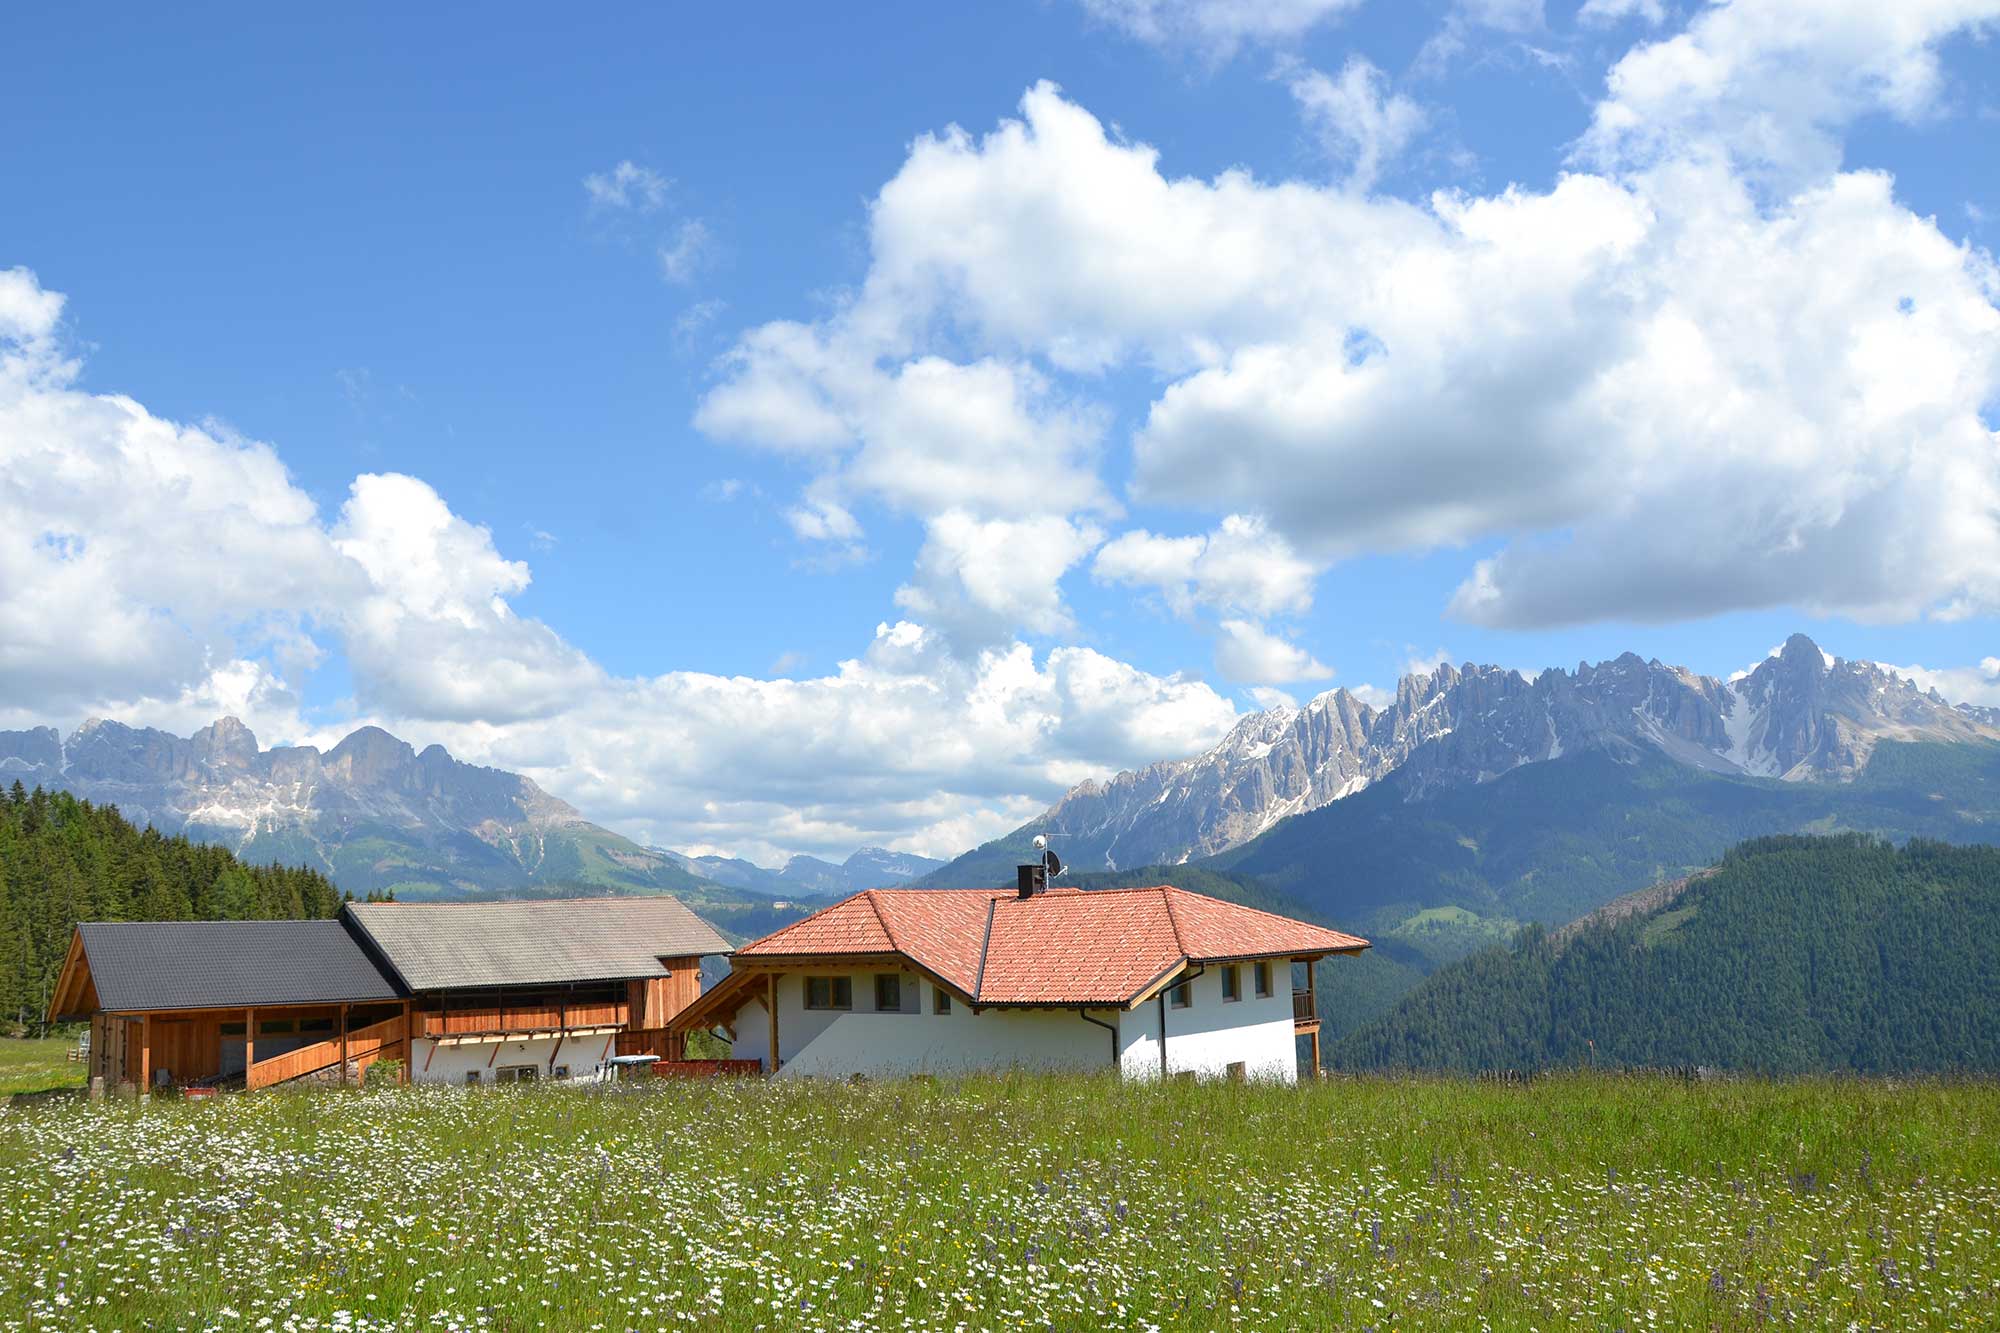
point(909, 744)
point(1242, 566)
point(1248, 652)
point(1664, 393)
point(1978, 685)
point(1772, 82)
point(981, 579)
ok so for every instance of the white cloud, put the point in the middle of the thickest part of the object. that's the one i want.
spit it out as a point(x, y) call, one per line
point(1271, 699)
point(1605, 13)
point(1362, 125)
point(981, 579)
point(1772, 82)
point(1216, 27)
point(1248, 652)
point(1242, 566)
point(1978, 685)
point(627, 186)
point(163, 575)
point(684, 255)
point(821, 520)
point(1668, 397)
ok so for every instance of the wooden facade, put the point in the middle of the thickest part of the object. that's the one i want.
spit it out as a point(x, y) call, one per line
point(337, 1042)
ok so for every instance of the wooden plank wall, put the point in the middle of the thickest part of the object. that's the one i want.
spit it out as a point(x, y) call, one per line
point(657, 1000)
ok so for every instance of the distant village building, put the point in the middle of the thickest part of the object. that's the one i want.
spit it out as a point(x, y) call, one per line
point(458, 992)
point(1154, 982)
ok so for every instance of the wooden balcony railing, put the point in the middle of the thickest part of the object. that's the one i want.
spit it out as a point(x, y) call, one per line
point(1304, 1008)
point(506, 1018)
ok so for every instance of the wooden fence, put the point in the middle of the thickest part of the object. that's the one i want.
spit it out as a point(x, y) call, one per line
point(378, 1041)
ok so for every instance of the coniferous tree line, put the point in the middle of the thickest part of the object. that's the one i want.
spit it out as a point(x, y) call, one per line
point(63, 860)
point(1797, 955)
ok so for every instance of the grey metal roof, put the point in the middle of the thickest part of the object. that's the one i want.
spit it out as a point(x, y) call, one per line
point(150, 965)
point(451, 946)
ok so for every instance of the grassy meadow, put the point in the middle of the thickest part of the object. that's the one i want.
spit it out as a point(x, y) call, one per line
point(1025, 1202)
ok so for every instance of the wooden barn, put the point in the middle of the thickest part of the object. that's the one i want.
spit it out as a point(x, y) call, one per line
point(462, 992)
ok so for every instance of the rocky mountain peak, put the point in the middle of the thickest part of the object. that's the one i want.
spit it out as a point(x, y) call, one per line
point(1797, 716)
point(225, 743)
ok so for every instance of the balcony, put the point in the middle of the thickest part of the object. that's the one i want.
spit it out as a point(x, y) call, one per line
point(1305, 1009)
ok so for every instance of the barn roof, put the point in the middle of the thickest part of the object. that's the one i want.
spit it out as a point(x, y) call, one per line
point(454, 946)
point(1063, 947)
point(153, 965)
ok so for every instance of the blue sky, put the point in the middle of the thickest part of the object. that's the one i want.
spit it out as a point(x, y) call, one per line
point(691, 350)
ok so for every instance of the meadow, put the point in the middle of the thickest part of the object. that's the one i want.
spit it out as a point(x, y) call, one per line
point(1002, 1203)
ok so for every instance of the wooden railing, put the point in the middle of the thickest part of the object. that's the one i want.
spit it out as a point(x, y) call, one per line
point(1303, 1007)
point(377, 1041)
point(506, 1018)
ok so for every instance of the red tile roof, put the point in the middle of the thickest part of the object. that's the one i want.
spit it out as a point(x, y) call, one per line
point(1066, 946)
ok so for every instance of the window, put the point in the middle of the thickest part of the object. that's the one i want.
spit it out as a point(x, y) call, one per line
point(1263, 979)
point(315, 1025)
point(472, 1076)
point(1180, 997)
point(234, 1029)
point(888, 992)
point(276, 1027)
point(1232, 983)
point(515, 1074)
point(940, 1000)
point(829, 992)
point(560, 1071)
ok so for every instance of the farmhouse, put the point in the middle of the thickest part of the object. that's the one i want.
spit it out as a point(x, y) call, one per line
point(1154, 982)
point(459, 992)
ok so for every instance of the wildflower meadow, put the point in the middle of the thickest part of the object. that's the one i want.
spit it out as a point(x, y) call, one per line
point(1005, 1203)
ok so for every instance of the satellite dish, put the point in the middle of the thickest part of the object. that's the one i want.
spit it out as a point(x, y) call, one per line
point(1052, 862)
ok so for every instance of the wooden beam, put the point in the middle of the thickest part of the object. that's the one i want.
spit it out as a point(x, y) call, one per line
point(249, 1045)
point(771, 1004)
point(343, 1045)
point(409, 1047)
point(145, 1055)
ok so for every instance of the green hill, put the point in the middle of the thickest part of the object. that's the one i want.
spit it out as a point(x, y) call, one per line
point(1797, 955)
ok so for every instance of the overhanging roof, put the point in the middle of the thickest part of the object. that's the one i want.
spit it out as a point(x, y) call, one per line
point(149, 966)
point(1067, 947)
point(467, 946)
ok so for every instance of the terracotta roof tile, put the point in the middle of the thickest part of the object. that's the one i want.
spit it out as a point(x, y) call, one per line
point(1067, 946)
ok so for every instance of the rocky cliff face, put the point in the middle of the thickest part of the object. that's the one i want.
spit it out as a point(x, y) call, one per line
point(372, 811)
point(1798, 716)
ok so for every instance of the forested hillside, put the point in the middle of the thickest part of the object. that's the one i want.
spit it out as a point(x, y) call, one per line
point(1796, 955)
point(63, 861)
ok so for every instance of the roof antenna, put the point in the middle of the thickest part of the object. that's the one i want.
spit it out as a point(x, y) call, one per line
point(1034, 877)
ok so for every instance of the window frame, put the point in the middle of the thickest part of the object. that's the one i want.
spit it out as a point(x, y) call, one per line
point(1261, 980)
point(1232, 983)
point(1180, 995)
point(834, 1000)
point(887, 981)
point(940, 1000)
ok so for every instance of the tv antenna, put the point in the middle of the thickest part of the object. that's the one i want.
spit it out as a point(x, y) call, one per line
point(1051, 863)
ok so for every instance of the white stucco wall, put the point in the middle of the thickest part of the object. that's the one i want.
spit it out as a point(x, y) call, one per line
point(433, 1063)
point(1203, 1039)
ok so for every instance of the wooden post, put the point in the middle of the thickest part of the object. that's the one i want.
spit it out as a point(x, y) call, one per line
point(409, 1046)
point(343, 1045)
point(771, 1002)
point(1315, 1044)
point(145, 1055)
point(249, 1046)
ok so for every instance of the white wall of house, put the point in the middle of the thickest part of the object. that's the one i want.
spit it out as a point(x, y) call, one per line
point(1204, 1039)
point(435, 1063)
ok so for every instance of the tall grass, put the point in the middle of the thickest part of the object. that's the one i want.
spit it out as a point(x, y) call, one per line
point(1068, 1203)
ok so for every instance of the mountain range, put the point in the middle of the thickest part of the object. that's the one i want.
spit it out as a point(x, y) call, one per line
point(372, 813)
point(809, 876)
point(1799, 716)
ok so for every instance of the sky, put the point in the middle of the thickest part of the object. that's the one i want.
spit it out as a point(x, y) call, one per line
point(784, 429)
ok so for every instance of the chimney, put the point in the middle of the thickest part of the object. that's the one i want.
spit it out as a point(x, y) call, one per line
point(1031, 879)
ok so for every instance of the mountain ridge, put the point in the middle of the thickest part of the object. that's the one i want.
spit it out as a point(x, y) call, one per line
point(1798, 716)
point(373, 813)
